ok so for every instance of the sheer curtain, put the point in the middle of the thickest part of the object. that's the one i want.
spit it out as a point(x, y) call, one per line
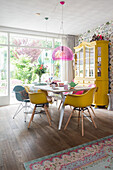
point(68, 67)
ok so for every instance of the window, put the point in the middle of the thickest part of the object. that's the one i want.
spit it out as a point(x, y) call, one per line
point(26, 50)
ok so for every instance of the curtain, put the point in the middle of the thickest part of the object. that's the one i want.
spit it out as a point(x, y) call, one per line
point(68, 67)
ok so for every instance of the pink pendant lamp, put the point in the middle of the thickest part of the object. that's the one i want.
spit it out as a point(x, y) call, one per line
point(62, 52)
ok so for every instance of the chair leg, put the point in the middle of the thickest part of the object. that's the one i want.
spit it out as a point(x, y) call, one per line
point(46, 111)
point(93, 111)
point(92, 119)
point(18, 110)
point(26, 110)
point(59, 105)
point(82, 124)
point(79, 117)
point(49, 114)
point(32, 116)
point(69, 119)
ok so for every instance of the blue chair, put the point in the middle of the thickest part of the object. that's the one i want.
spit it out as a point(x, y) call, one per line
point(22, 96)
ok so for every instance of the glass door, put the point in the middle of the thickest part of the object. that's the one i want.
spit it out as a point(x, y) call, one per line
point(92, 63)
point(4, 76)
point(89, 62)
point(86, 62)
point(81, 62)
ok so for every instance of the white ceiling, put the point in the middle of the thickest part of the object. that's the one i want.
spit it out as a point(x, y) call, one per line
point(79, 15)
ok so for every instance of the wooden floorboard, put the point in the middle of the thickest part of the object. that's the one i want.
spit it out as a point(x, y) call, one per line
point(18, 144)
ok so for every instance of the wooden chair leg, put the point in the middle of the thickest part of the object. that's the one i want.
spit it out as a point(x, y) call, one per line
point(32, 116)
point(92, 119)
point(69, 119)
point(49, 114)
point(82, 124)
point(46, 111)
point(93, 111)
point(59, 105)
point(79, 117)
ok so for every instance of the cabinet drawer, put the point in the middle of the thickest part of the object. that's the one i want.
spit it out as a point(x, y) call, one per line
point(89, 82)
point(79, 81)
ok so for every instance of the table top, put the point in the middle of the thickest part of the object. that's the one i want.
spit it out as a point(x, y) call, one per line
point(61, 89)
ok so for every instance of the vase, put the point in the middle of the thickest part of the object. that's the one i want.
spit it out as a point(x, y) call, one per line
point(39, 79)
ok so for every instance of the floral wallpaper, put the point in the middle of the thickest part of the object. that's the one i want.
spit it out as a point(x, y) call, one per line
point(106, 30)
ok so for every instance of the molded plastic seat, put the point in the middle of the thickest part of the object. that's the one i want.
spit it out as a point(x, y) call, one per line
point(40, 100)
point(81, 101)
point(22, 96)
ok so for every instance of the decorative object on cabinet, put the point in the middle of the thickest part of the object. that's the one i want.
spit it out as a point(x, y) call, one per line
point(91, 67)
point(97, 37)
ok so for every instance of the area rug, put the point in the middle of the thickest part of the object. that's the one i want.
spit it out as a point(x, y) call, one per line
point(95, 155)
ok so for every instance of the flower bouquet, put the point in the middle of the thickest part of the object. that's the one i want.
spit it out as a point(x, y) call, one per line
point(39, 70)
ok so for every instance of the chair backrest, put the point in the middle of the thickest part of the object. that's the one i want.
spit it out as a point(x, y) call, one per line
point(19, 90)
point(81, 92)
point(38, 98)
point(82, 100)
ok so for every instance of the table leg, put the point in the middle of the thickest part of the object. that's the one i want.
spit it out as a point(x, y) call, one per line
point(61, 111)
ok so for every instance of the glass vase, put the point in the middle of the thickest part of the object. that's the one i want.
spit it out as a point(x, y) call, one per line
point(39, 79)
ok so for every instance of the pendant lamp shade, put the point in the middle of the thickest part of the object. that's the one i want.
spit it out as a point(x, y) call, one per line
point(62, 53)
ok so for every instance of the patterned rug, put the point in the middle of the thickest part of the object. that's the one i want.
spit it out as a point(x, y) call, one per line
point(95, 155)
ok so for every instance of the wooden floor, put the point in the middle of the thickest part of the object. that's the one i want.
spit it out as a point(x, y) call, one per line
point(18, 144)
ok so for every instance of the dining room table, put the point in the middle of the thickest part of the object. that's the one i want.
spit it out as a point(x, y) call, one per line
point(61, 91)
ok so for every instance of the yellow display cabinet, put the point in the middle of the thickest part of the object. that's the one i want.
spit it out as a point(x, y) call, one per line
point(91, 67)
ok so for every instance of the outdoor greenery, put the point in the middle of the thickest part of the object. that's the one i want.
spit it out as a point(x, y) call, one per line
point(24, 70)
point(25, 61)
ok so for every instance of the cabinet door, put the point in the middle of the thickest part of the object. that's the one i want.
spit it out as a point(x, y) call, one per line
point(86, 62)
point(99, 62)
point(77, 64)
point(89, 62)
point(81, 63)
point(92, 62)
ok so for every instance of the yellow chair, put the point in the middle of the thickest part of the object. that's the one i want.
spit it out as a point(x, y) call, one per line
point(82, 102)
point(39, 99)
point(49, 98)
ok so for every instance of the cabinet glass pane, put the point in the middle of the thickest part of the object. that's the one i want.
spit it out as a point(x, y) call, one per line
point(81, 54)
point(87, 53)
point(77, 62)
point(99, 71)
point(87, 71)
point(81, 70)
point(77, 73)
point(99, 51)
point(92, 52)
point(77, 56)
point(91, 72)
point(91, 63)
point(99, 61)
